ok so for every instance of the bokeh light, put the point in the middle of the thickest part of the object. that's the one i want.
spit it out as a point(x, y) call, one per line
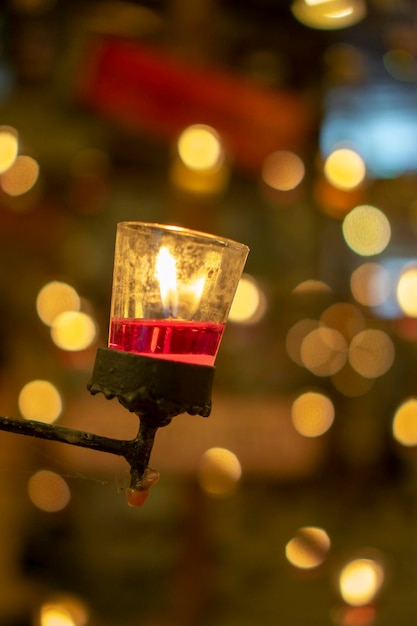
point(200, 148)
point(219, 472)
point(407, 291)
point(371, 353)
point(73, 331)
point(55, 615)
point(66, 605)
point(48, 491)
point(20, 177)
point(371, 284)
point(9, 146)
point(312, 286)
point(366, 230)
point(40, 400)
point(329, 14)
point(344, 169)
point(54, 298)
point(249, 303)
point(312, 414)
point(309, 548)
point(324, 351)
point(283, 170)
point(295, 337)
point(346, 318)
point(360, 581)
point(404, 424)
point(401, 65)
point(350, 383)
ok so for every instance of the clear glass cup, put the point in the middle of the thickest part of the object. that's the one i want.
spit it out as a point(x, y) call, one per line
point(172, 291)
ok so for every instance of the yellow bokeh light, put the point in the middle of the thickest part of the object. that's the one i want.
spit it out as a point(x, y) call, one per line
point(312, 414)
point(200, 148)
point(407, 291)
point(55, 615)
point(283, 170)
point(360, 581)
point(366, 230)
point(65, 605)
point(344, 169)
point(219, 472)
point(9, 145)
point(295, 337)
point(346, 318)
point(73, 331)
point(312, 286)
point(48, 491)
point(20, 177)
point(324, 351)
point(308, 548)
point(41, 401)
point(404, 425)
point(371, 284)
point(54, 298)
point(249, 303)
point(350, 383)
point(329, 14)
point(371, 353)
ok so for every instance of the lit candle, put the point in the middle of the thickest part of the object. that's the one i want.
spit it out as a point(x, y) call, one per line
point(172, 291)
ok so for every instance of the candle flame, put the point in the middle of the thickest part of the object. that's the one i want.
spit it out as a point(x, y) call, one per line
point(166, 273)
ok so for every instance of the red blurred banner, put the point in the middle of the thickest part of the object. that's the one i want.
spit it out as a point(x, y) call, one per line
point(154, 92)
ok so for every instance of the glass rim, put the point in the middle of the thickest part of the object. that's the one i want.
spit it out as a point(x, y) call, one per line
point(223, 241)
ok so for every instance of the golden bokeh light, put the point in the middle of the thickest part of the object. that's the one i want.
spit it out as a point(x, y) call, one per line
point(40, 400)
point(73, 331)
point(329, 14)
point(407, 291)
point(295, 337)
point(324, 351)
point(371, 284)
point(283, 170)
point(344, 169)
point(219, 472)
point(20, 177)
point(404, 424)
point(360, 581)
point(346, 318)
point(309, 548)
point(200, 148)
point(350, 383)
point(312, 286)
point(48, 491)
point(366, 230)
point(371, 353)
point(249, 303)
point(54, 298)
point(9, 146)
point(55, 615)
point(65, 605)
point(312, 414)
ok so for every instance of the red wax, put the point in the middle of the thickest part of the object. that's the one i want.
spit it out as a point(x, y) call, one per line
point(190, 342)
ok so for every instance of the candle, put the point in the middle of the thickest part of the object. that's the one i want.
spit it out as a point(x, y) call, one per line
point(172, 291)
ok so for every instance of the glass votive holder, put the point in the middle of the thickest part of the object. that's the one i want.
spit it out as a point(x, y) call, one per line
point(172, 291)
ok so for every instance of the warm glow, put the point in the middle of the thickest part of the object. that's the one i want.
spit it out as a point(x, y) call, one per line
point(295, 337)
point(54, 298)
point(20, 177)
point(200, 148)
point(371, 353)
point(371, 284)
point(346, 318)
point(68, 604)
point(366, 230)
point(283, 170)
point(404, 425)
point(53, 615)
point(40, 400)
point(324, 351)
point(344, 169)
point(350, 383)
point(407, 291)
point(308, 548)
point(48, 491)
point(312, 414)
point(73, 331)
point(9, 146)
point(166, 273)
point(329, 14)
point(219, 472)
point(312, 286)
point(249, 303)
point(360, 581)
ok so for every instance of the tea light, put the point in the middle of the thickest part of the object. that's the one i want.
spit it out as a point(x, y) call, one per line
point(172, 291)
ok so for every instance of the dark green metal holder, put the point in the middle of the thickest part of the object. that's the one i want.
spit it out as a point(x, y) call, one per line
point(156, 390)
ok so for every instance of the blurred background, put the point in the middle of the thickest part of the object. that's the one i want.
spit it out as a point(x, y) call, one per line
point(290, 126)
